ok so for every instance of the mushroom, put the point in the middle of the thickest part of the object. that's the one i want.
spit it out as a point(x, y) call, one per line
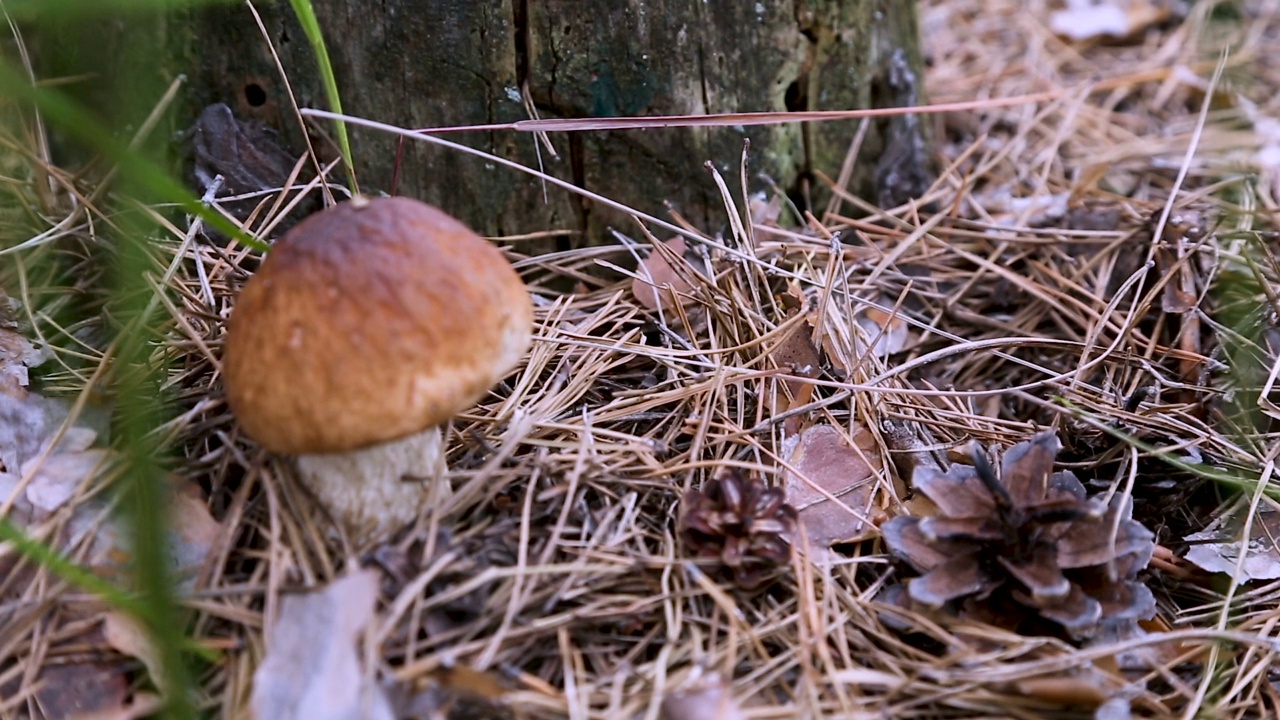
point(368, 325)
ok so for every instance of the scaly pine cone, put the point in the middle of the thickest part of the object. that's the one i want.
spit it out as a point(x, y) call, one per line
point(741, 522)
point(1029, 541)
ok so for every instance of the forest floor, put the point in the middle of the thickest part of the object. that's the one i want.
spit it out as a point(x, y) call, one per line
point(1090, 287)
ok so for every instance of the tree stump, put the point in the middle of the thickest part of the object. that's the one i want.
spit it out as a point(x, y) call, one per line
point(439, 63)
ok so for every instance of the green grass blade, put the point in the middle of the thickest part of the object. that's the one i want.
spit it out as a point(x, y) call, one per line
point(29, 9)
point(46, 556)
point(311, 26)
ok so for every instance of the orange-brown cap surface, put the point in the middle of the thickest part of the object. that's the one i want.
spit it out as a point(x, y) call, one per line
point(369, 321)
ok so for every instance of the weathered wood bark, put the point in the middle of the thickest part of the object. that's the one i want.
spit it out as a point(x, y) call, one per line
point(420, 63)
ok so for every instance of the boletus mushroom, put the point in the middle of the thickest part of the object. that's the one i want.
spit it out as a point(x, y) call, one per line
point(369, 325)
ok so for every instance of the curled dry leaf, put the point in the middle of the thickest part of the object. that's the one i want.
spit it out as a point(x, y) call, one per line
point(826, 467)
point(312, 670)
point(796, 354)
point(765, 210)
point(659, 284)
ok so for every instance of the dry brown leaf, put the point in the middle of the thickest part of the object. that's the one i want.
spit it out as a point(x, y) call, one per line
point(77, 689)
point(659, 284)
point(1082, 690)
point(796, 354)
point(708, 699)
point(128, 637)
point(827, 466)
point(312, 670)
point(143, 705)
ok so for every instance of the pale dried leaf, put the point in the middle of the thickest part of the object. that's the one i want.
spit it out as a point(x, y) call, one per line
point(765, 209)
point(312, 670)
point(17, 354)
point(827, 467)
point(193, 535)
point(797, 353)
point(56, 478)
point(709, 699)
point(1117, 708)
point(1087, 20)
point(887, 332)
point(1009, 210)
point(659, 284)
point(127, 636)
point(1218, 547)
point(26, 420)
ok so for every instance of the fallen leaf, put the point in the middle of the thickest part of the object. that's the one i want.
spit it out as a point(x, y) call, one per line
point(659, 284)
point(1117, 708)
point(128, 637)
point(796, 354)
point(82, 689)
point(1085, 689)
point(1086, 20)
point(1006, 208)
point(708, 699)
point(68, 466)
point(827, 467)
point(193, 534)
point(143, 705)
point(17, 354)
point(1217, 548)
point(887, 332)
point(312, 670)
point(26, 420)
point(765, 211)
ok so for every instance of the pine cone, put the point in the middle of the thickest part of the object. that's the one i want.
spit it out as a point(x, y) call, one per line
point(741, 522)
point(1029, 541)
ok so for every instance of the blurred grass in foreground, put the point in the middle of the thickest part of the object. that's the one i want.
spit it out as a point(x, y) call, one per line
point(145, 182)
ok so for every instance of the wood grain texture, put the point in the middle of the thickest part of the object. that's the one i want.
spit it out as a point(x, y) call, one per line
point(422, 63)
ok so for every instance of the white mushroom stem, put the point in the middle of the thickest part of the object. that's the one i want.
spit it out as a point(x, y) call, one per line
point(375, 491)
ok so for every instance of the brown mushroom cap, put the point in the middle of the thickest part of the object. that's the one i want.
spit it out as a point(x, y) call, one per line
point(370, 321)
